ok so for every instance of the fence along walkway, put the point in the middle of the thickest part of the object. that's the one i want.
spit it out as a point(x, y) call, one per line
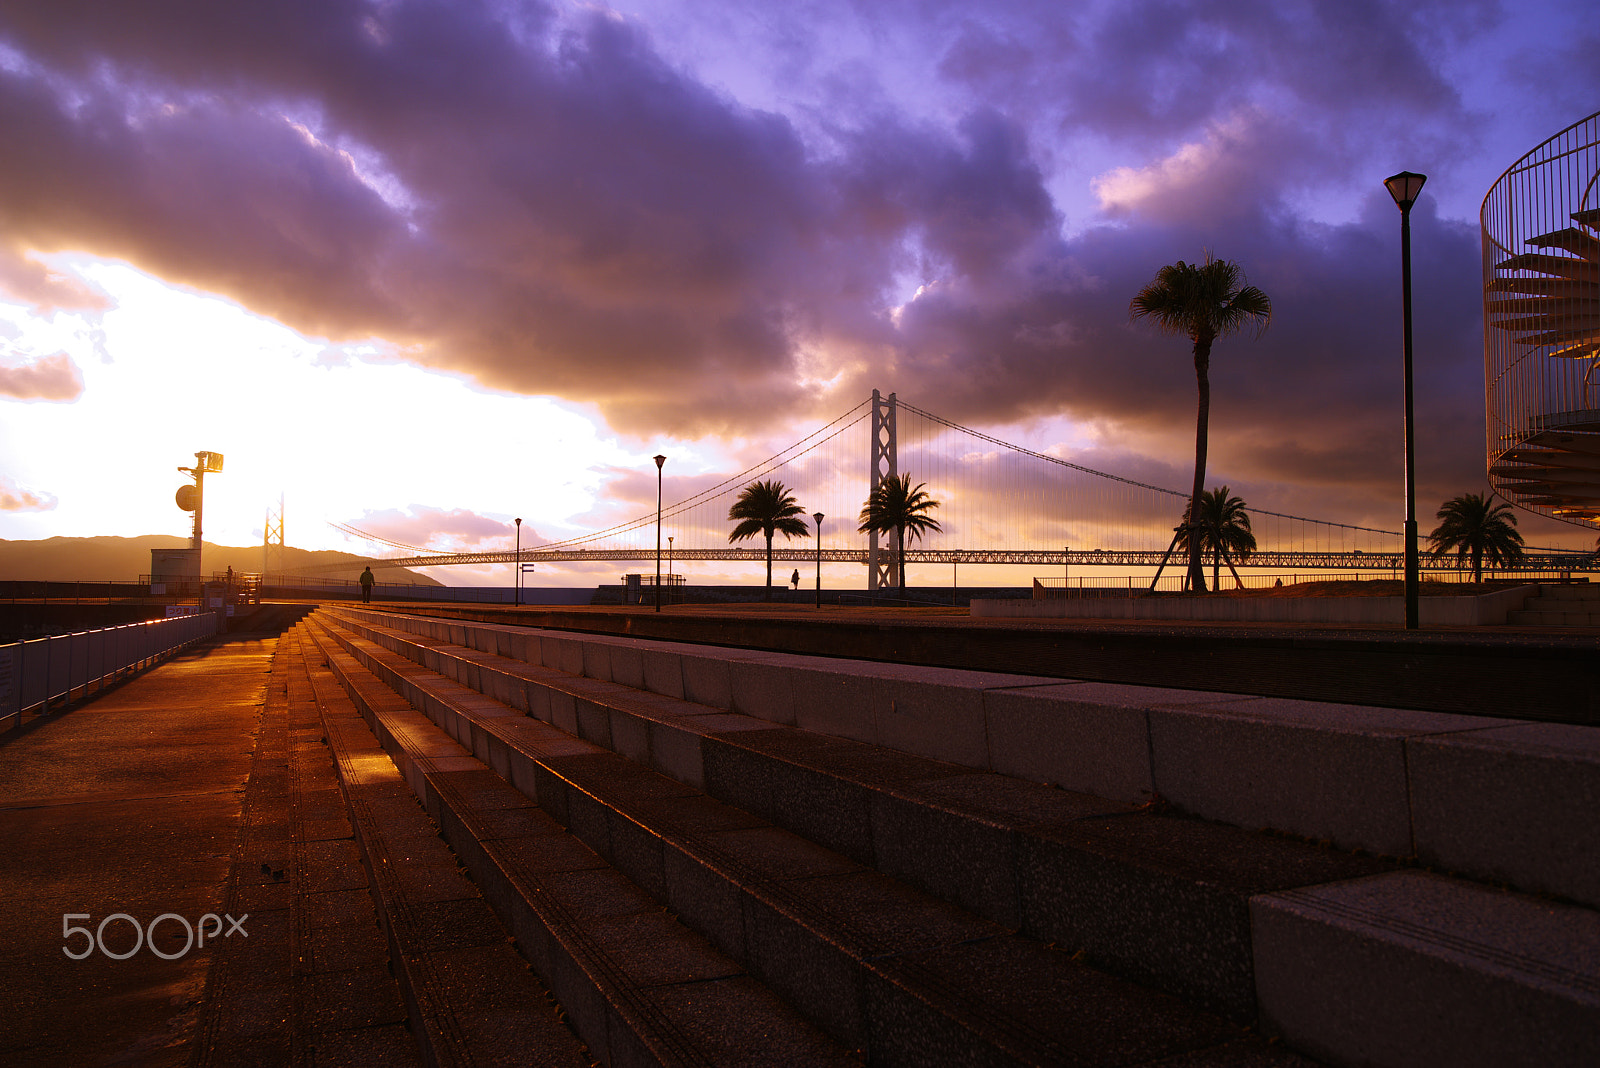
point(39, 673)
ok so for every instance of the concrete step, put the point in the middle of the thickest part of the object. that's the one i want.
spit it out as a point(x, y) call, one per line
point(310, 981)
point(1564, 605)
point(1498, 800)
point(638, 986)
point(883, 968)
point(1150, 895)
point(1576, 616)
point(468, 997)
point(1574, 591)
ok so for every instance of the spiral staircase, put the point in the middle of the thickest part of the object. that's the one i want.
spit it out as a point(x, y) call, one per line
point(1542, 313)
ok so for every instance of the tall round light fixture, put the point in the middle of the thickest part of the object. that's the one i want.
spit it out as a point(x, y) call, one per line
point(818, 517)
point(1404, 188)
point(659, 461)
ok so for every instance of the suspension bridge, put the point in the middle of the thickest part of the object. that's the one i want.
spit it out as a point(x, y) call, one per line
point(1000, 503)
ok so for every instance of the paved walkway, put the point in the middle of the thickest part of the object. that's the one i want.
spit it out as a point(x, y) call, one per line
point(128, 804)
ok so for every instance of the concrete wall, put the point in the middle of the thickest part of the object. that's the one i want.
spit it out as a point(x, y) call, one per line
point(1489, 609)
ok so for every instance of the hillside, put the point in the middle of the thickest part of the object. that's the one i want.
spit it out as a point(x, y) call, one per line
point(125, 559)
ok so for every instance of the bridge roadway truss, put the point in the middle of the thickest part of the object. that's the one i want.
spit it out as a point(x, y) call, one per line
point(1532, 562)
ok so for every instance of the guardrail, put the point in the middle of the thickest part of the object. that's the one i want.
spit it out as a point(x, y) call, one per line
point(38, 673)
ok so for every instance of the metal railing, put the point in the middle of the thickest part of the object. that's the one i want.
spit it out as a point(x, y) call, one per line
point(36, 674)
point(1132, 586)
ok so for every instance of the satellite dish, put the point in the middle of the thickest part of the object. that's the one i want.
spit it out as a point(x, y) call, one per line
point(187, 498)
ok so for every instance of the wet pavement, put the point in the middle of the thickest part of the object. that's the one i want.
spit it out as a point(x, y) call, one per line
point(125, 806)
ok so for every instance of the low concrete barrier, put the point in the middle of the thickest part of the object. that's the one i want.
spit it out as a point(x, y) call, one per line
point(1484, 610)
point(1468, 792)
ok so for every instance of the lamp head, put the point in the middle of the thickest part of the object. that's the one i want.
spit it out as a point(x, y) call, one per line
point(659, 461)
point(1405, 188)
point(519, 521)
point(818, 517)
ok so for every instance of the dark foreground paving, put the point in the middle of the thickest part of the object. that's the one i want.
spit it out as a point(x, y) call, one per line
point(128, 804)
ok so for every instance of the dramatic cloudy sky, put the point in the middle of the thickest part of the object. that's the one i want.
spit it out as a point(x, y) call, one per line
point(425, 265)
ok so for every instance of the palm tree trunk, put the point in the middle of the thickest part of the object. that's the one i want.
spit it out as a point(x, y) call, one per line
point(1202, 364)
point(1477, 564)
point(900, 551)
point(1237, 581)
point(767, 596)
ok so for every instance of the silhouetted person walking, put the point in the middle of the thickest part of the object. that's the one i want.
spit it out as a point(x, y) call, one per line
point(366, 586)
point(794, 579)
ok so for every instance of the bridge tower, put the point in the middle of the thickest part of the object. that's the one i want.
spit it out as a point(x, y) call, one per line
point(881, 563)
point(272, 543)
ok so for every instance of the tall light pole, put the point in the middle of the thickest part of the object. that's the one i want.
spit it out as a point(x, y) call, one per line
point(669, 555)
point(204, 463)
point(1405, 187)
point(659, 461)
point(516, 580)
point(818, 517)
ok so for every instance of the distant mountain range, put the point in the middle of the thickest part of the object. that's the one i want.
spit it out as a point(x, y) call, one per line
point(125, 559)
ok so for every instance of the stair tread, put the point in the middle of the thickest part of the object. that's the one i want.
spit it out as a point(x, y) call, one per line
point(873, 918)
point(474, 1000)
point(616, 931)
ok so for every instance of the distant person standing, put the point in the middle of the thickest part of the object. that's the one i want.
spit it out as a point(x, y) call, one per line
point(794, 579)
point(366, 586)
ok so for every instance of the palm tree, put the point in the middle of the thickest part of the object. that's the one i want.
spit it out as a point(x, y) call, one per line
point(895, 506)
point(1474, 524)
point(1203, 302)
point(1224, 531)
point(766, 508)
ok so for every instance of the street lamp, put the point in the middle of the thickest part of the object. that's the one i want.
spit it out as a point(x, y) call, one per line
point(516, 580)
point(818, 517)
point(195, 501)
point(669, 555)
point(659, 461)
point(1405, 187)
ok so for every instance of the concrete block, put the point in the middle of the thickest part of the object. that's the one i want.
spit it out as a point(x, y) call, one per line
point(762, 688)
point(627, 665)
point(1515, 804)
point(562, 652)
point(935, 712)
point(597, 659)
point(952, 855)
point(563, 710)
point(538, 701)
point(629, 735)
point(708, 673)
point(1410, 968)
point(835, 698)
point(663, 671)
point(1165, 901)
point(521, 645)
point(594, 722)
point(1090, 737)
point(1314, 769)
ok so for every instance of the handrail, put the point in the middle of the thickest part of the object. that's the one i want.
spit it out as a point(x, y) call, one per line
point(37, 673)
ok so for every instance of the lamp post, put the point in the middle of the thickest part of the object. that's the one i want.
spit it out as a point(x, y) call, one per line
point(669, 555)
point(659, 461)
point(204, 463)
point(1404, 188)
point(516, 579)
point(818, 517)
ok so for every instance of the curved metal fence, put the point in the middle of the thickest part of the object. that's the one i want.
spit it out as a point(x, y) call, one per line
point(37, 674)
point(1541, 314)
